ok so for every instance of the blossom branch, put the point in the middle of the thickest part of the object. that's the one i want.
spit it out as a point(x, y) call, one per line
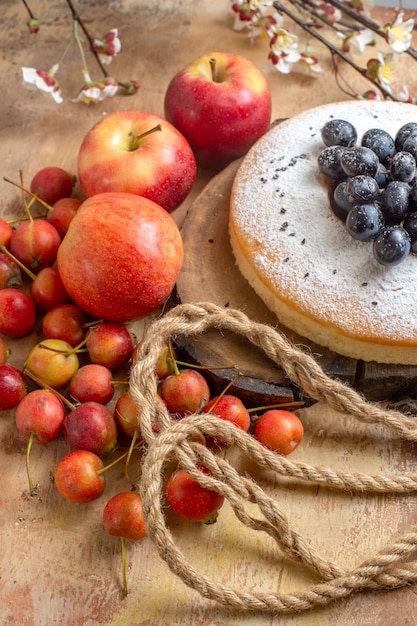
point(312, 30)
point(366, 22)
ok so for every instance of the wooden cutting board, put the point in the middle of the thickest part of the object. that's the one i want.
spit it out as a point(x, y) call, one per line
point(210, 274)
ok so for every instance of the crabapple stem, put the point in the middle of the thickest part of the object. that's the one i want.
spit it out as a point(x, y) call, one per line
point(129, 454)
point(33, 489)
point(35, 196)
point(16, 260)
point(279, 405)
point(228, 386)
point(123, 546)
point(43, 385)
point(119, 458)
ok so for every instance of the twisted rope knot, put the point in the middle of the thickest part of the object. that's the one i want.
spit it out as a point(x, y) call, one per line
point(180, 439)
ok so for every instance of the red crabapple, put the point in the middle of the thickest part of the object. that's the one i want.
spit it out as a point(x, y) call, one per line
point(230, 408)
point(109, 344)
point(92, 382)
point(66, 322)
point(279, 430)
point(122, 517)
point(63, 210)
point(185, 393)
point(52, 183)
point(77, 476)
point(190, 500)
point(10, 274)
point(17, 313)
point(6, 232)
point(47, 289)
point(35, 243)
point(12, 387)
point(91, 426)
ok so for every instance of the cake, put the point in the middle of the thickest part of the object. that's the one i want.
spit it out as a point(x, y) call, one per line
point(297, 254)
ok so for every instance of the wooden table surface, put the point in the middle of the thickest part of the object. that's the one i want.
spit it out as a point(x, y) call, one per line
point(57, 565)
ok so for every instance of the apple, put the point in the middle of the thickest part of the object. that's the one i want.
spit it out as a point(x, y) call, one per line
point(140, 153)
point(120, 257)
point(221, 103)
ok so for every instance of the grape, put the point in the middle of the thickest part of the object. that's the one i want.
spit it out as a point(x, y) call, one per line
point(362, 188)
point(364, 221)
point(391, 245)
point(403, 166)
point(410, 145)
point(329, 162)
point(394, 200)
point(380, 142)
point(359, 160)
point(382, 176)
point(340, 202)
point(338, 132)
point(410, 225)
point(405, 131)
point(412, 200)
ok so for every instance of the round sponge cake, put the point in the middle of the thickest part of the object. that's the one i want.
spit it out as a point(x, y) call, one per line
point(299, 257)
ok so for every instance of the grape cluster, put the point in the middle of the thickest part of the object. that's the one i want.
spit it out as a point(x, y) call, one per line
point(374, 187)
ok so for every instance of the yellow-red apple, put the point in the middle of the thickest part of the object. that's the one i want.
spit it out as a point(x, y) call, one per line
point(120, 257)
point(140, 153)
point(221, 103)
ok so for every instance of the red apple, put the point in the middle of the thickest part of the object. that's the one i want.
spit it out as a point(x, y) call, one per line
point(120, 257)
point(140, 153)
point(221, 103)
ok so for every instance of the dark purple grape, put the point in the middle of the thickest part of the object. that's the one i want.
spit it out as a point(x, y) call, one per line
point(403, 166)
point(359, 160)
point(410, 145)
point(394, 201)
point(339, 201)
point(410, 225)
point(382, 176)
point(403, 133)
point(380, 142)
point(362, 188)
point(364, 221)
point(338, 133)
point(412, 201)
point(391, 245)
point(329, 162)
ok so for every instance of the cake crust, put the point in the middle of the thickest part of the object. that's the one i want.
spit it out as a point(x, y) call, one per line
point(298, 256)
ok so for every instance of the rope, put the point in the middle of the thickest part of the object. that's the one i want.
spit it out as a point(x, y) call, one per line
point(177, 439)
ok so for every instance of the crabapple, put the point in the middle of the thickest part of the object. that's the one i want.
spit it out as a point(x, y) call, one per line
point(47, 289)
point(35, 243)
point(12, 387)
point(165, 364)
point(122, 517)
point(190, 500)
point(39, 417)
point(109, 344)
point(184, 393)
point(61, 214)
point(92, 382)
point(53, 362)
point(230, 408)
point(77, 476)
point(66, 322)
point(279, 430)
point(126, 414)
point(10, 274)
point(17, 313)
point(52, 183)
point(91, 426)
point(6, 232)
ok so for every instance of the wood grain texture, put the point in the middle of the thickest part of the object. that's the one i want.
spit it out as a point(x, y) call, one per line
point(57, 564)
